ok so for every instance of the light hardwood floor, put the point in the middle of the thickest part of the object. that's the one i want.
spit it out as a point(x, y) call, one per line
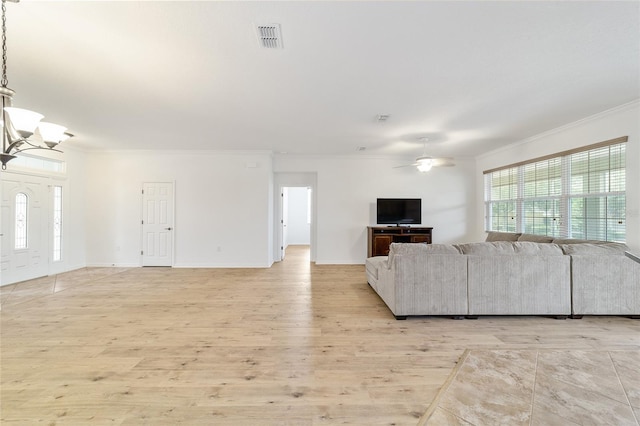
point(295, 344)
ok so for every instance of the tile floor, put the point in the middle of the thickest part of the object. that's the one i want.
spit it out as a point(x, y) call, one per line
point(541, 387)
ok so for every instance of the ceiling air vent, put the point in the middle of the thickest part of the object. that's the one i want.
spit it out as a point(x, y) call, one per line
point(269, 36)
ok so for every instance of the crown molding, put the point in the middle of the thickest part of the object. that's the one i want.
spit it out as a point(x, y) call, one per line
point(594, 117)
point(172, 152)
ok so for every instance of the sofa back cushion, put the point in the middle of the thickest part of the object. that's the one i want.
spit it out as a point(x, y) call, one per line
point(576, 241)
point(602, 249)
point(420, 249)
point(502, 236)
point(535, 238)
point(502, 248)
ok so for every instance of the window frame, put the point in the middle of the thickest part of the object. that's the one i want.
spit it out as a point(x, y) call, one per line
point(562, 195)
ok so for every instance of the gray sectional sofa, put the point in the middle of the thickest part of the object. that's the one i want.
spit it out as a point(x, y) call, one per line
point(520, 276)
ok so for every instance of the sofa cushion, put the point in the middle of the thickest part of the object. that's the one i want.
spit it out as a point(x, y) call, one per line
point(510, 248)
point(373, 263)
point(535, 238)
point(415, 248)
point(602, 249)
point(502, 236)
point(604, 284)
point(519, 284)
point(576, 241)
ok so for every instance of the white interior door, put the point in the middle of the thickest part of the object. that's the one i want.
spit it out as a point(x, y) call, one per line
point(23, 253)
point(157, 224)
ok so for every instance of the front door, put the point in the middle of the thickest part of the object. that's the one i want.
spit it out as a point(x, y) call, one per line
point(24, 253)
point(157, 224)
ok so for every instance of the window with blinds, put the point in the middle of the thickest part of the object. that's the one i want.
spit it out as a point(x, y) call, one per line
point(542, 197)
point(572, 194)
point(503, 194)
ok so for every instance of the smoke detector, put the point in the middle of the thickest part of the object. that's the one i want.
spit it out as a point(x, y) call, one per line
point(269, 36)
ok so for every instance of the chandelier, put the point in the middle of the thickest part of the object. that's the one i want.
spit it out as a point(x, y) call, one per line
point(22, 129)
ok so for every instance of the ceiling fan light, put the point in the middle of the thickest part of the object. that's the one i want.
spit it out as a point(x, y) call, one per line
point(23, 120)
point(425, 164)
point(52, 133)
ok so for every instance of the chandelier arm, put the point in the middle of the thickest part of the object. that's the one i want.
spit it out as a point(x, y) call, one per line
point(36, 147)
point(15, 144)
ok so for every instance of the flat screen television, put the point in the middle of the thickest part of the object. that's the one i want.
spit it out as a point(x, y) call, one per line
point(399, 211)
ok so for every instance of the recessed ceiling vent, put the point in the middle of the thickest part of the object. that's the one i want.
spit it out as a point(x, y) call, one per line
point(270, 36)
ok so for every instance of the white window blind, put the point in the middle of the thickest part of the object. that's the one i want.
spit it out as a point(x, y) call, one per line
point(542, 198)
point(597, 194)
point(502, 190)
point(573, 194)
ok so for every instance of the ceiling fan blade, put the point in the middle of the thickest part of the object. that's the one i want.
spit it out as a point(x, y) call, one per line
point(405, 165)
point(443, 162)
point(435, 162)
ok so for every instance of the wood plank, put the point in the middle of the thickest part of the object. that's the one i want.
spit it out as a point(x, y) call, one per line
point(296, 344)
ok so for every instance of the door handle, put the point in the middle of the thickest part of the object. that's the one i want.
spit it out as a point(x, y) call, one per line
point(168, 229)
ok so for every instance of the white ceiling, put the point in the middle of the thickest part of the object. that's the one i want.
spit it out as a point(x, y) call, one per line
point(471, 76)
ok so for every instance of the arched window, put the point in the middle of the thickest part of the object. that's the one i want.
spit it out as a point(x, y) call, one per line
point(21, 221)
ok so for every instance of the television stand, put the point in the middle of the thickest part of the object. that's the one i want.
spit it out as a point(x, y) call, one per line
point(379, 238)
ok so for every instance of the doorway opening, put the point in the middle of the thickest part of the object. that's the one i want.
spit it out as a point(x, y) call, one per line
point(296, 221)
point(299, 189)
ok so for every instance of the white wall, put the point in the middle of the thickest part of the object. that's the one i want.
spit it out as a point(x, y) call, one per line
point(74, 249)
point(622, 121)
point(298, 229)
point(222, 201)
point(227, 200)
point(346, 192)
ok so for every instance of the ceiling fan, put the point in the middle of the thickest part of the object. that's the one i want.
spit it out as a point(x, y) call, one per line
point(424, 163)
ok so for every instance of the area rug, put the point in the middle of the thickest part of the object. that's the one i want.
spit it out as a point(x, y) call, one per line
point(540, 387)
